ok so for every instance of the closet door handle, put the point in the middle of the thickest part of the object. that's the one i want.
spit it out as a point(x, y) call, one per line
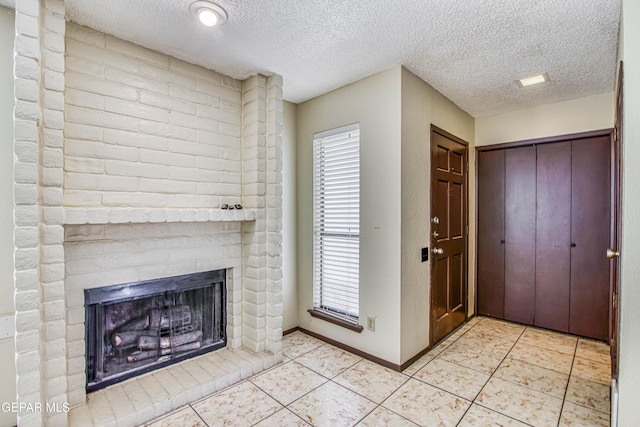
point(502, 241)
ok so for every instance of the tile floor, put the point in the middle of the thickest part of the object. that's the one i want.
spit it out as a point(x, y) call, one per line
point(488, 373)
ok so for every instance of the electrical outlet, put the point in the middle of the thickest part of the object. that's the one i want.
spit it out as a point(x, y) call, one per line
point(371, 323)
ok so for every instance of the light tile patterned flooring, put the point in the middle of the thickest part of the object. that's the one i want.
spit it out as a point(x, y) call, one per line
point(488, 373)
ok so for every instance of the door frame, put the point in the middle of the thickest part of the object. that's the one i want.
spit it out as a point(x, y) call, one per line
point(616, 226)
point(465, 287)
point(615, 186)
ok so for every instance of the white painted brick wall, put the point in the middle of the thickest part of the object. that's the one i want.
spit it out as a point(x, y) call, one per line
point(273, 223)
point(142, 126)
point(122, 128)
point(254, 140)
point(27, 255)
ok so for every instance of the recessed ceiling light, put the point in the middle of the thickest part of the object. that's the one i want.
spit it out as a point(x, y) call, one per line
point(529, 81)
point(209, 14)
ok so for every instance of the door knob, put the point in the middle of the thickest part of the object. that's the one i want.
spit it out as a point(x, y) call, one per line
point(438, 251)
point(435, 220)
point(612, 254)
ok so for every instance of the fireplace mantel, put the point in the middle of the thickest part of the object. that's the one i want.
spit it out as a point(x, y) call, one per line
point(77, 216)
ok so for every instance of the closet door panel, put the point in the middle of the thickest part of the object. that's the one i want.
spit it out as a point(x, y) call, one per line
point(590, 235)
point(520, 234)
point(491, 169)
point(553, 233)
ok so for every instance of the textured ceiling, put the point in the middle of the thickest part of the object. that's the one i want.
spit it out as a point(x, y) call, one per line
point(472, 51)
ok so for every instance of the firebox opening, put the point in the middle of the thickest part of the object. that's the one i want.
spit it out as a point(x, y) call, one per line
point(138, 327)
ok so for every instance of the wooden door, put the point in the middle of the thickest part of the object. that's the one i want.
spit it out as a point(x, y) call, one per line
point(550, 206)
point(507, 233)
point(590, 236)
point(491, 241)
point(553, 235)
point(449, 233)
point(520, 234)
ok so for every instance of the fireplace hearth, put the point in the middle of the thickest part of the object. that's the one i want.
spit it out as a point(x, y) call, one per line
point(138, 327)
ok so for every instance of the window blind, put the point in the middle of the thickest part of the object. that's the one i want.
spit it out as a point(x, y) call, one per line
point(337, 221)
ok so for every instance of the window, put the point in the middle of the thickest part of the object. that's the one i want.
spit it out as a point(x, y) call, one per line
point(337, 222)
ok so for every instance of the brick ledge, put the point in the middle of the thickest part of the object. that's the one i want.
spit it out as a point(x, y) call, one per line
point(141, 399)
point(78, 216)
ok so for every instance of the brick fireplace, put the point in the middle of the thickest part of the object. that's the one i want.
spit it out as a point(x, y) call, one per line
point(124, 157)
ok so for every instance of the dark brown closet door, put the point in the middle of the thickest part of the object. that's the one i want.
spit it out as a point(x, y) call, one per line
point(553, 234)
point(491, 184)
point(590, 236)
point(520, 234)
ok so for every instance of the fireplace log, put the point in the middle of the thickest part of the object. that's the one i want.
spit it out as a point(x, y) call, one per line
point(125, 339)
point(169, 317)
point(146, 342)
point(137, 356)
point(127, 335)
point(136, 324)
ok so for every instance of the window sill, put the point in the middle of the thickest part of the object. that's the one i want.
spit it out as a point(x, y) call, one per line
point(335, 320)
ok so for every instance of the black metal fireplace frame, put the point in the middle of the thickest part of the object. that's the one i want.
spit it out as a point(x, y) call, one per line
point(94, 298)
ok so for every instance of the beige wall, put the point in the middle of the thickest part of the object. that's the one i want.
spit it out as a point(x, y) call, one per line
point(421, 107)
point(560, 118)
point(373, 102)
point(289, 252)
point(395, 110)
point(7, 364)
point(6, 158)
point(629, 379)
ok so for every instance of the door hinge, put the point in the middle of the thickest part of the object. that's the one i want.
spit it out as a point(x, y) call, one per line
point(467, 230)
